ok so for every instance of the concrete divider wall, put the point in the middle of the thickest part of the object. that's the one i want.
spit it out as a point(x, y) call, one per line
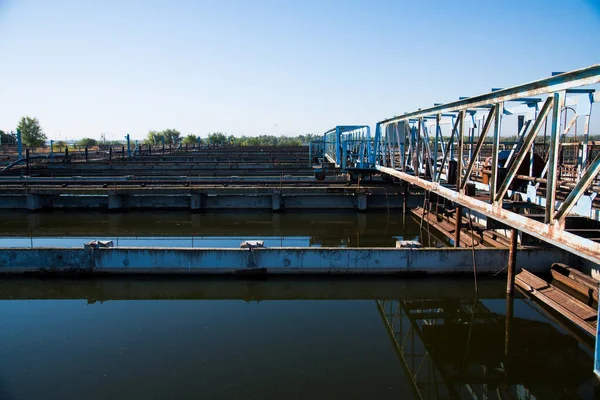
point(274, 260)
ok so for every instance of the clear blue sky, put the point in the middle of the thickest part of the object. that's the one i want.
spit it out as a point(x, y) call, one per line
point(274, 67)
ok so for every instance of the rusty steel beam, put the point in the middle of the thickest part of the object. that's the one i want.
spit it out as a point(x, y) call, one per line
point(579, 77)
point(548, 233)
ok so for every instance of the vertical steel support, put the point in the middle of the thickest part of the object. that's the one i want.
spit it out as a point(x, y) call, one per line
point(461, 135)
point(51, 150)
point(512, 262)
point(448, 149)
point(460, 149)
point(128, 145)
point(559, 99)
point(597, 357)
point(457, 225)
point(19, 143)
point(418, 158)
point(480, 141)
point(435, 147)
point(495, 149)
point(528, 141)
point(338, 145)
point(510, 306)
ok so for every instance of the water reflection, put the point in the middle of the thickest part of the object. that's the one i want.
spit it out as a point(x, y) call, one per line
point(216, 229)
point(456, 348)
point(229, 338)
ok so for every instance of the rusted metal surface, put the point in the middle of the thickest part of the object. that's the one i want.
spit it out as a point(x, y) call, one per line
point(577, 312)
point(584, 284)
point(548, 233)
point(497, 173)
point(512, 262)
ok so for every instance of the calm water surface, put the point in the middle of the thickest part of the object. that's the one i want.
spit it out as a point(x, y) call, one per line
point(221, 229)
point(281, 339)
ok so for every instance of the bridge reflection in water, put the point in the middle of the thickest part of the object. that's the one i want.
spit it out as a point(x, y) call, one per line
point(459, 348)
point(238, 337)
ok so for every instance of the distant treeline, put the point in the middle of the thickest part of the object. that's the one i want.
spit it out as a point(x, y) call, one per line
point(173, 137)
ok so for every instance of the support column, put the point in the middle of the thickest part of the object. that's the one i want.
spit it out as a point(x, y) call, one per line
point(33, 202)
point(276, 201)
point(115, 201)
point(512, 262)
point(361, 202)
point(552, 175)
point(458, 226)
point(597, 358)
point(510, 301)
point(196, 201)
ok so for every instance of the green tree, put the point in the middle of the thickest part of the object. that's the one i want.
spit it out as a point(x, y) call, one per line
point(217, 138)
point(89, 142)
point(7, 138)
point(60, 145)
point(31, 132)
point(190, 140)
point(171, 136)
point(154, 138)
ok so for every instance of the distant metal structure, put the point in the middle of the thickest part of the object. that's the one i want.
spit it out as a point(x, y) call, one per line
point(347, 145)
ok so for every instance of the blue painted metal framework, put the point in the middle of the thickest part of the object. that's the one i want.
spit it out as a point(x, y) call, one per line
point(348, 147)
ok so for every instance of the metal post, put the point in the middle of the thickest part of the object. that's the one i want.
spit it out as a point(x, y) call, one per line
point(460, 149)
point(512, 262)
point(122, 152)
point(66, 153)
point(19, 143)
point(128, 145)
point(597, 358)
point(510, 305)
point(435, 146)
point(110, 153)
point(163, 144)
point(86, 154)
point(51, 150)
point(559, 99)
point(480, 141)
point(495, 149)
point(457, 225)
point(27, 159)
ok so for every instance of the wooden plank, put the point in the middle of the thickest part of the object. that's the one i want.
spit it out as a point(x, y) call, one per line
point(574, 310)
point(576, 280)
point(445, 227)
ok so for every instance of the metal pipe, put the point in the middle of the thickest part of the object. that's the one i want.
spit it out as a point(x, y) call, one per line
point(512, 262)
